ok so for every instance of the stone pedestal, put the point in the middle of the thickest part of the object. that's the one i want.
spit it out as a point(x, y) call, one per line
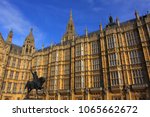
point(33, 96)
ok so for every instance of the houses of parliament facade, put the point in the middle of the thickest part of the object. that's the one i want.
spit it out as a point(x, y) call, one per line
point(112, 63)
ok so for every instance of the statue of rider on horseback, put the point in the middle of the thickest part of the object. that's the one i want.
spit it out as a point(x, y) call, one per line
point(35, 79)
point(36, 83)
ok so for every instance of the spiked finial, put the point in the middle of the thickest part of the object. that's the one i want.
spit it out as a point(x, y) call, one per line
point(137, 15)
point(11, 32)
point(42, 46)
point(101, 28)
point(86, 32)
point(29, 38)
point(71, 14)
point(9, 38)
point(117, 21)
point(70, 26)
point(51, 44)
point(31, 29)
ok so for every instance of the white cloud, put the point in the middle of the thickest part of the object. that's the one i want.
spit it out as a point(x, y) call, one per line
point(12, 18)
point(98, 5)
point(97, 9)
point(92, 5)
point(91, 2)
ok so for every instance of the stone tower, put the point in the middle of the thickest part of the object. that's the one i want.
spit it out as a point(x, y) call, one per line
point(28, 46)
point(70, 30)
point(9, 38)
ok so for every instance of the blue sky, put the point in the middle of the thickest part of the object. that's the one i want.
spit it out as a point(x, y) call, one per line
point(49, 18)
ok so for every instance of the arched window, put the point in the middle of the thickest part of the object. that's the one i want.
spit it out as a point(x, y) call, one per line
point(30, 49)
point(26, 49)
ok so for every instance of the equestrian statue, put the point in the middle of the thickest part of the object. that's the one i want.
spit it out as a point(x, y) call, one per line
point(36, 83)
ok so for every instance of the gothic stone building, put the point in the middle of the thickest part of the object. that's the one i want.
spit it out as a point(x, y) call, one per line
point(111, 63)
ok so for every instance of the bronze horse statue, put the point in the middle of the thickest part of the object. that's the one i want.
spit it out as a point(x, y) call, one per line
point(34, 85)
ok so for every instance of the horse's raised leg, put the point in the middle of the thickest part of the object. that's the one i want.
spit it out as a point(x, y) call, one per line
point(36, 93)
point(27, 96)
point(29, 90)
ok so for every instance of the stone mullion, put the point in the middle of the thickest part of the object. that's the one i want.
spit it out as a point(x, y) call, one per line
point(145, 44)
point(60, 70)
point(11, 89)
point(89, 53)
point(103, 44)
point(49, 74)
point(6, 85)
point(86, 67)
point(72, 58)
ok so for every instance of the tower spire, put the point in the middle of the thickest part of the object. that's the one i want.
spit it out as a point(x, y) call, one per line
point(31, 29)
point(9, 38)
point(70, 26)
point(137, 15)
point(71, 14)
point(86, 32)
point(70, 30)
point(43, 46)
point(30, 37)
point(29, 47)
point(100, 26)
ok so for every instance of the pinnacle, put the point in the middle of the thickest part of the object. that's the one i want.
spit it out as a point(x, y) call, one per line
point(30, 36)
point(71, 14)
point(31, 30)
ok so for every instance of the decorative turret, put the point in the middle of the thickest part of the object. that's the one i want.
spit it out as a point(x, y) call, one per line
point(137, 15)
point(42, 47)
point(9, 38)
point(117, 21)
point(29, 47)
point(86, 32)
point(70, 31)
point(100, 27)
